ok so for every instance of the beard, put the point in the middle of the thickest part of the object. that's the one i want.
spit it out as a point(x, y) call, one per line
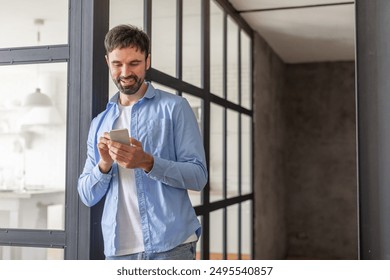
point(128, 89)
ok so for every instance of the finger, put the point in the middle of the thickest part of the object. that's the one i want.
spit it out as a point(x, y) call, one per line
point(112, 147)
point(135, 142)
point(121, 159)
point(117, 145)
point(120, 149)
point(102, 146)
point(104, 138)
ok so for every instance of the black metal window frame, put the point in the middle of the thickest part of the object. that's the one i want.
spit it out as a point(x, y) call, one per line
point(209, 98)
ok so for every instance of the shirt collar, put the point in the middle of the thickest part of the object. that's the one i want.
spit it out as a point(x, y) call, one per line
point(150, 92)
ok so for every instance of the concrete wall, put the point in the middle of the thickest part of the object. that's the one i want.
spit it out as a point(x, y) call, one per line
point(304, 159)
point(270, 223)
point(320, 160)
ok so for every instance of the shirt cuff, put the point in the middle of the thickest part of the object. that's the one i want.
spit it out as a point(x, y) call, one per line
point(158, 169)
point(101, 177)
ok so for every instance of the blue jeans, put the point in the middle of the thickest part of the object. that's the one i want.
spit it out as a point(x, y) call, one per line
point(185, 251)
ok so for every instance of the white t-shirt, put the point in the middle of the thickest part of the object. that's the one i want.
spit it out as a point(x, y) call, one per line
point(128, 216)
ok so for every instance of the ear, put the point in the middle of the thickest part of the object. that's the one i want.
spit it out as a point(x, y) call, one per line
point(107, 60)
point(148, 62)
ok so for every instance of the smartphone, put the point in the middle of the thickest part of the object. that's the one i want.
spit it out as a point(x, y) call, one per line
point(120, 135)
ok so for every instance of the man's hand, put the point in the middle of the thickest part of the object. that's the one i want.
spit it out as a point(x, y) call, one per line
point(106, 161)
point(132, 156)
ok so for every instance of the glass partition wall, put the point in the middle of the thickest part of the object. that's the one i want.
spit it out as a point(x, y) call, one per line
point(33, 113)
point(200, 50)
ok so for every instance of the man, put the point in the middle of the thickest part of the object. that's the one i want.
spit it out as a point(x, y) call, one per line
point(147, 211)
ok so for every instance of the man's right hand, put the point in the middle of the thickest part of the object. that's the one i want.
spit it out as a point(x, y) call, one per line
point(106, 161)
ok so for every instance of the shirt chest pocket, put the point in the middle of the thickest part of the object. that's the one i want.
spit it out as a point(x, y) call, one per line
point(160, 136)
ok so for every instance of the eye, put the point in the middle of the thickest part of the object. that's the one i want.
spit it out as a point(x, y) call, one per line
point(134, 63)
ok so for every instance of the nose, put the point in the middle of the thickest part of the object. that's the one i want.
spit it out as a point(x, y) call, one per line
point(126, 71)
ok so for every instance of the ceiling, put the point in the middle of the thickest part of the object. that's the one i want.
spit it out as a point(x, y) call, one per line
point(301, 31)
point(297, 30)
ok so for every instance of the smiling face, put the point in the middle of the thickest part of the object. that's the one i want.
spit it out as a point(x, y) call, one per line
point(128, 69)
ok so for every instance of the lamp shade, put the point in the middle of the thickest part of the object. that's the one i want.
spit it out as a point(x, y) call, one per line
point(37, 99)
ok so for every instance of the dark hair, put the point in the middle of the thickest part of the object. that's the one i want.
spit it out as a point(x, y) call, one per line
point(123, 36)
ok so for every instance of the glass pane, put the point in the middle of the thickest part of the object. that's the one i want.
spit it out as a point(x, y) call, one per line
point(33, 146)
point(216, 235)
point(232, 232)
point(192, 42)
point(197, 107)
point(232, 153)
point(124, 12)
point(246, 73)
point(20, 17)
point(232, 61)
point(216, 152)
point(127, 12)
point(30, 253)
point(246, 154)
point(163, 53)
point(246, 230)
point(164, 88)
point(216, 49)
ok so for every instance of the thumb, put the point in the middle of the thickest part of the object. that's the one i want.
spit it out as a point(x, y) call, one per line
point(135, 142)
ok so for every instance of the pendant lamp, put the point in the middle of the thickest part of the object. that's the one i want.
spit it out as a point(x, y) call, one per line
point(37, 98)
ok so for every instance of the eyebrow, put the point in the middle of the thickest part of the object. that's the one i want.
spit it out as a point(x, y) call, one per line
point(134, 60)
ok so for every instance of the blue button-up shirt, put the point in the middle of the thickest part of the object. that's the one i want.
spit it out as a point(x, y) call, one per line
point(167, 128)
